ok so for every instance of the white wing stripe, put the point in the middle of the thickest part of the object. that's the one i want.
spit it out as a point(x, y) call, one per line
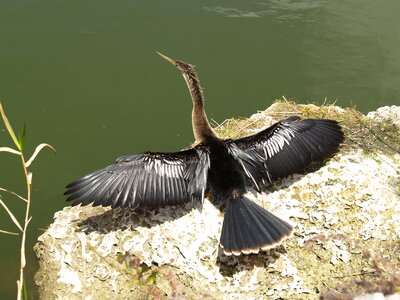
point(276, 143)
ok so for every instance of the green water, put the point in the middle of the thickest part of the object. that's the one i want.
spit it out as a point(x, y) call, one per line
point(84, 76)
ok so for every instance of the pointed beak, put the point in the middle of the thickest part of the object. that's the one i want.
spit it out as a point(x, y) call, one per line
point(166, 58)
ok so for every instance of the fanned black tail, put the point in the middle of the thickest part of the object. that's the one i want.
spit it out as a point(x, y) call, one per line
point(248, 227)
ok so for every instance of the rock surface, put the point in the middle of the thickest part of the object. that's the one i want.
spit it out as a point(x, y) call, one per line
point(346, 217)
point(386, 114)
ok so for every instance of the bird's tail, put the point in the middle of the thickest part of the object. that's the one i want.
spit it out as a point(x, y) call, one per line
point(249, 228)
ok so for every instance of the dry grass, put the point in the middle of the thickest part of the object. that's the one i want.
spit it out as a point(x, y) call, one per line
point(360, 131)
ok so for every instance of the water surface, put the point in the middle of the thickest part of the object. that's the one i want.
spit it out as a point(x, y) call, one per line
point(85, 77)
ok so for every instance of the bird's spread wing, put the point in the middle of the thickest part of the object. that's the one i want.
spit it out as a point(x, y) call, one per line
point(148, 180)
point(286, 147)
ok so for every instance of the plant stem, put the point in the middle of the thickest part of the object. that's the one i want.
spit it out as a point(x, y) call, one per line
point(28, 177)
point(19, 143)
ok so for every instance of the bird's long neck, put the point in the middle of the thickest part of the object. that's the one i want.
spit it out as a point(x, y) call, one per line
point(201, 127)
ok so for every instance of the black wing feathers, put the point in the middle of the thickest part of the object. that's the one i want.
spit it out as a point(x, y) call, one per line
point(149, 180)
point(286, 147)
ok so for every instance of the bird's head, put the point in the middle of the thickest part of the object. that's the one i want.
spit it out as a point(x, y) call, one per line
point(187, 70)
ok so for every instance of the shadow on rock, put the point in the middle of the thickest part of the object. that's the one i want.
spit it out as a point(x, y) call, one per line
point(107, 220)
point(230, 265)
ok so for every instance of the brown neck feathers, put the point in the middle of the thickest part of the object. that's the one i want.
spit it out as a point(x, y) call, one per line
point(201, 126)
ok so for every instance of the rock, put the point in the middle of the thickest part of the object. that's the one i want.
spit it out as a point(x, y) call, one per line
point(386, 114)
point(346, 217)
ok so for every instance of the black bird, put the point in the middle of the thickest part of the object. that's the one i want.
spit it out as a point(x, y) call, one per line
point(154, 179)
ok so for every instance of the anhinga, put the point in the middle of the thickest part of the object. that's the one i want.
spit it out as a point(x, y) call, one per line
point(154, 179)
